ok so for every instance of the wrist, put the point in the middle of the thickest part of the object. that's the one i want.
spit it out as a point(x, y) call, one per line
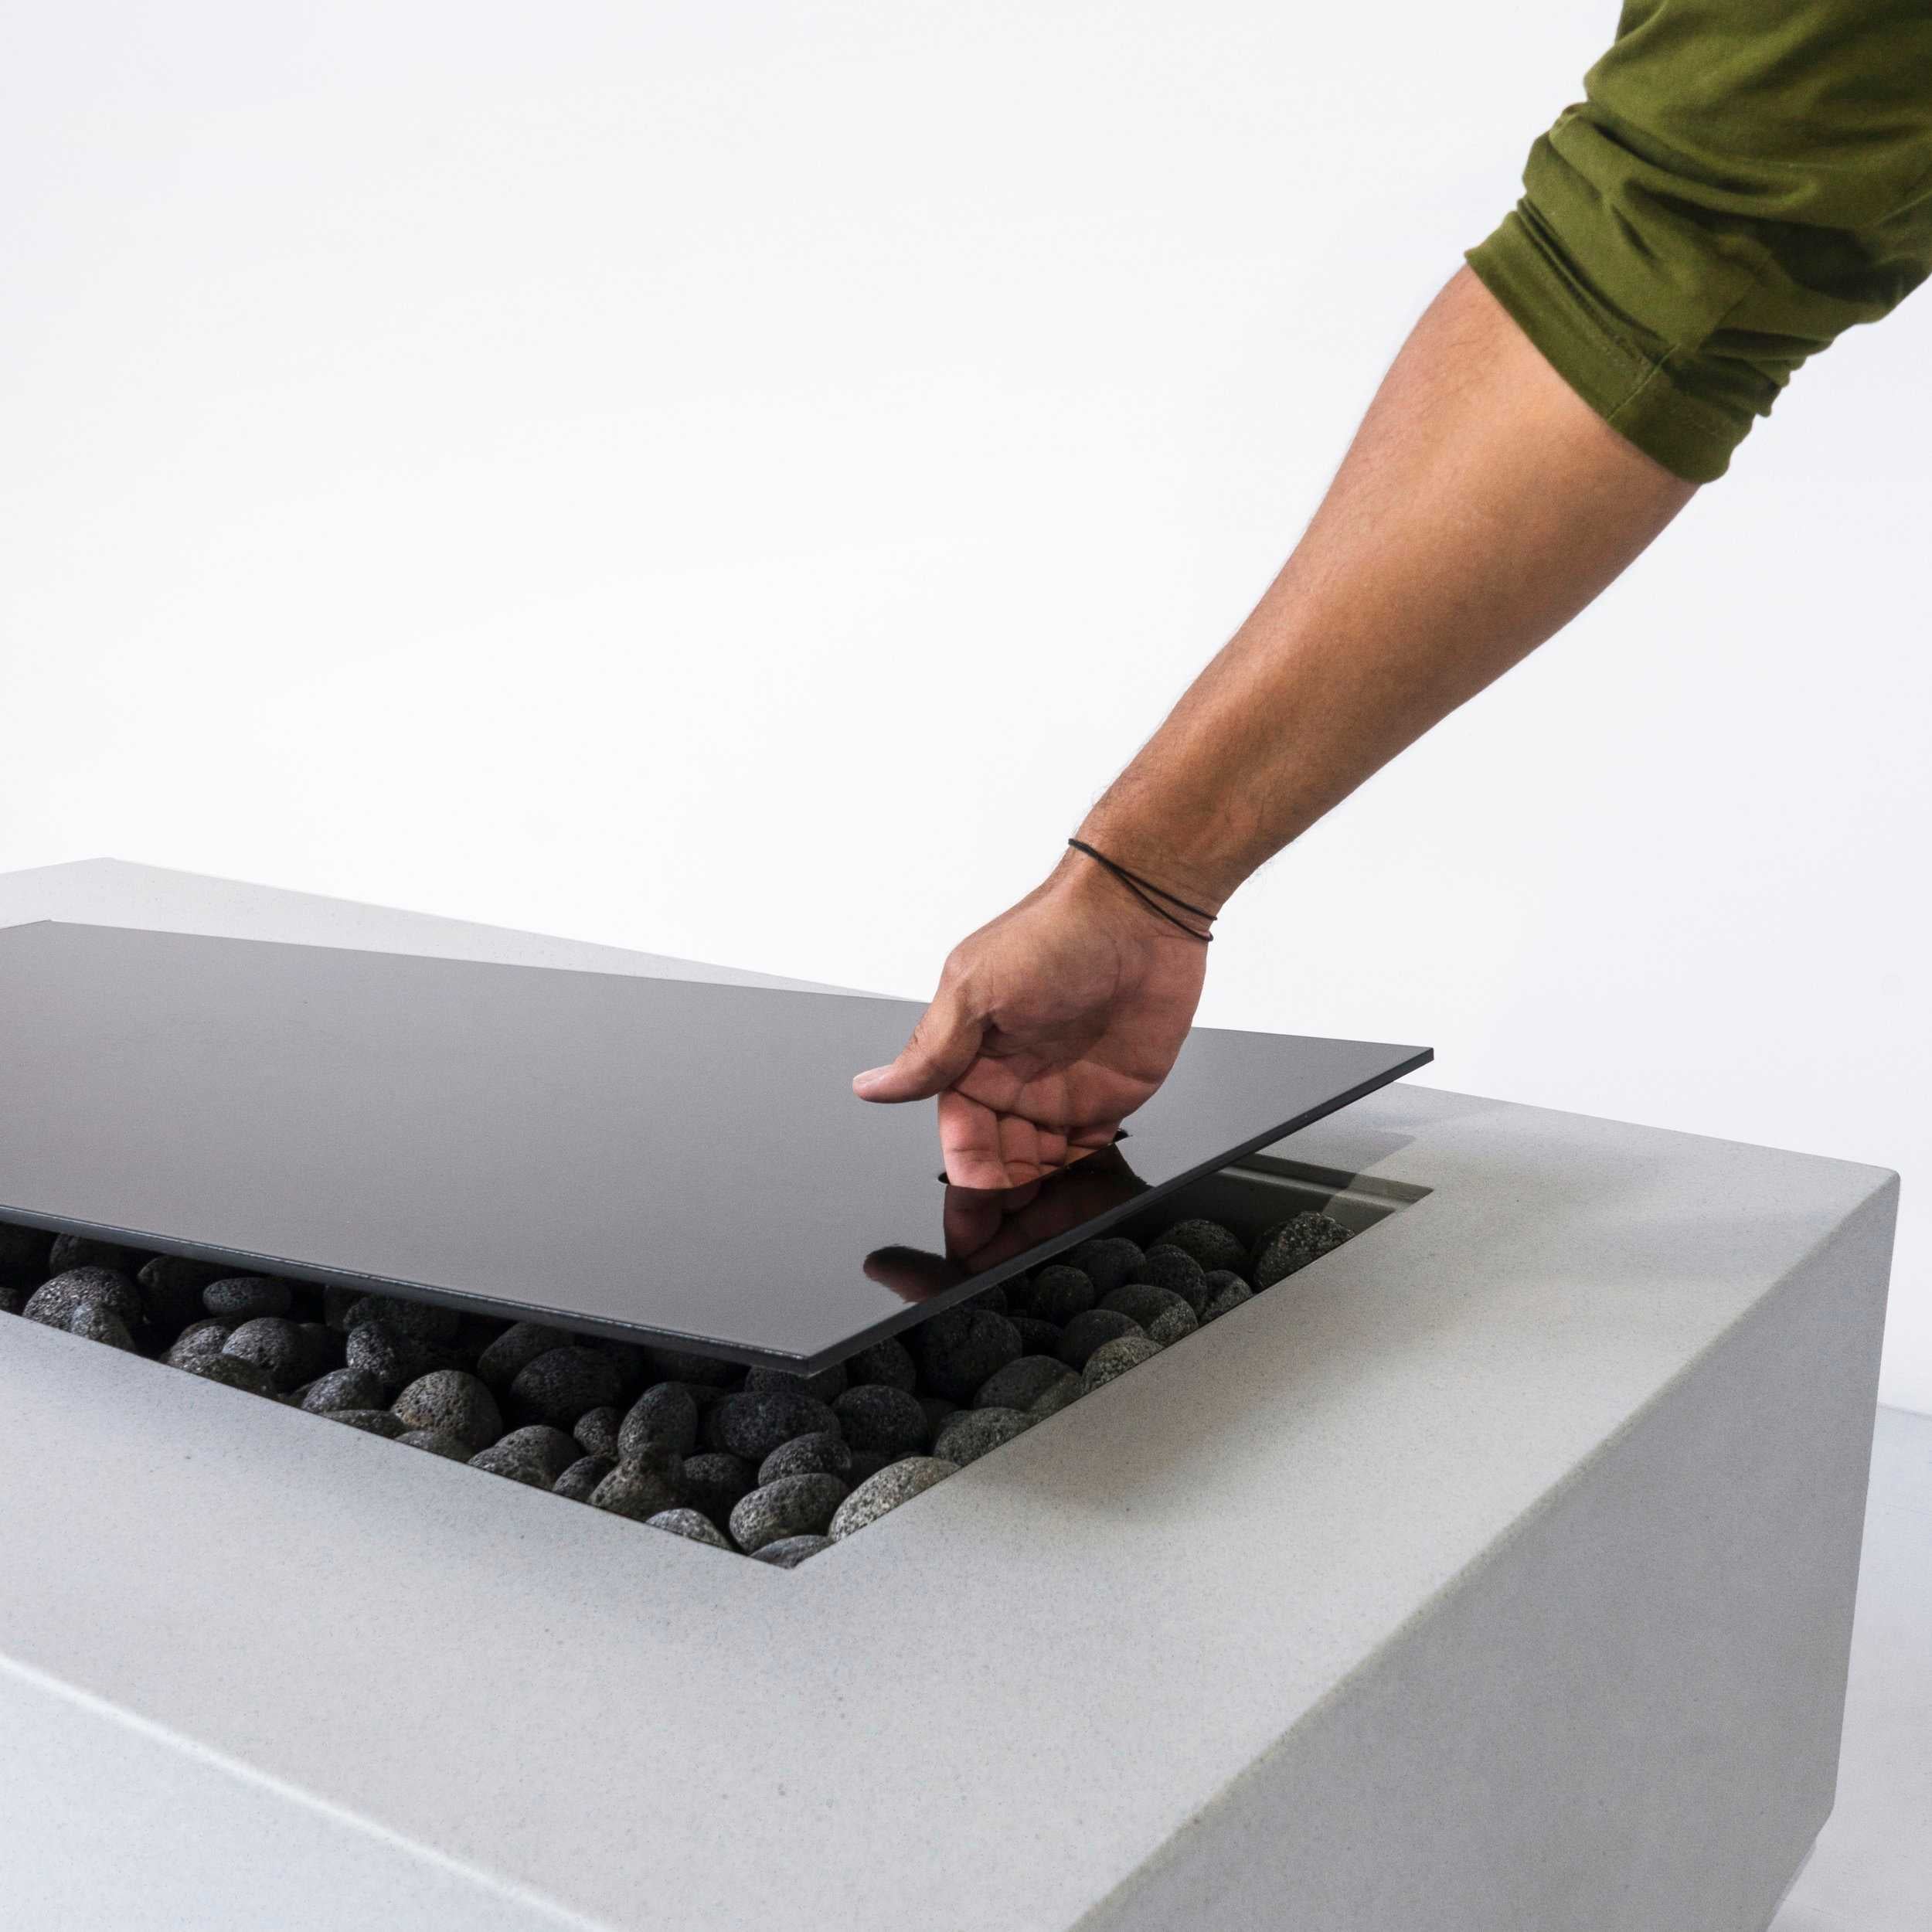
point(1186, 877)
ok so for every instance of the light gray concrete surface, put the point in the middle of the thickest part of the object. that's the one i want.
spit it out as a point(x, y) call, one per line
point(1495, 1572)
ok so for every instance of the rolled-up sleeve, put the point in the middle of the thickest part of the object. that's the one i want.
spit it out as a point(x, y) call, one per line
point(1744, 181)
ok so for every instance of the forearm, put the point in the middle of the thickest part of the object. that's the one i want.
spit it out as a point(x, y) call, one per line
point(1481, 506)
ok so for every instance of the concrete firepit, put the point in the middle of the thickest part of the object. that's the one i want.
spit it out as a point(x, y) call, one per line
point(1491, 1569)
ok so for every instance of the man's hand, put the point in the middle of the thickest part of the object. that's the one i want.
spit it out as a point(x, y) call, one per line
point(1050, 1025)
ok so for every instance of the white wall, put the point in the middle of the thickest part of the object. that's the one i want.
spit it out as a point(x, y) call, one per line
point(736, 479)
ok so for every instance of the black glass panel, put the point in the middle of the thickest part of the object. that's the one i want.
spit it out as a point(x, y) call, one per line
point(657, 1158)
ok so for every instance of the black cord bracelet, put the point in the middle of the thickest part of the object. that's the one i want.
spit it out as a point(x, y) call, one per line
point(1149, 894)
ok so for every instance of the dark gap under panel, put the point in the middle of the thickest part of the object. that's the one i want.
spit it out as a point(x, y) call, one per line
point(661, 1160)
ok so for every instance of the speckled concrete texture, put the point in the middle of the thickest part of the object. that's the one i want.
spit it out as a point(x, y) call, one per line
point(1513, 1545)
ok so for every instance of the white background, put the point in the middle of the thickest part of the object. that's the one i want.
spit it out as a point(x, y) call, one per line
point(735, 480)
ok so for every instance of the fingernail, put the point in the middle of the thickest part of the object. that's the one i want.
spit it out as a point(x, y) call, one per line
point(871, 1077)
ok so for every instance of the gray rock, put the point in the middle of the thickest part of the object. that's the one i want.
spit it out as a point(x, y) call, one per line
point(828, 1384)
point(712, 1482)
point(1211, 1244)
point(1086, 1332)
point(1144, 1304)
point(1173, 1269)
point(683, 1365)
point(1225, 1290)
point(515, 1348)
point(438, 1442)
point(665, 1417)
point(275, 1345)
point(339, 1388)
point(754, 1422)
point(422, 1321)
point(885, 1365)
point(867, 1463)
point(1057, 1293)
point(452, 1400)
point(897, 1483)
point(974, 1432)
point(1058, 1397)
point(1106, 1261)
point(789, 1552)
point(792, 1506)
point(1290, 1246)
point(955, 1352)
point(537, 1455)
point(171, 1289)
point(579, 1482)
point(68, 1251)
point(1021, 1384)
point(641, 1488)
point(595, 1431)
point(876, 1415)
point(94, 1323)
point(374, 1422)
point(231, 1372)
point(562, 1383)
point(1113, 1359)
point(689, 1524)
point(823, 1454)
point(1036, 1337)
point(200, 1341)
point(53, 1303)
point(393, 1358)
point(241, 1298)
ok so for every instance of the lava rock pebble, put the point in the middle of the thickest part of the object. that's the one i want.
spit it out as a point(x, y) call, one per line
point(884, 1364)
point(596, 1431)
point(94, 1322)
point(423, 1321)
point(877, 1415)
point(897, 1483)
point(171, 1289)
point(1070, 1389)
point(867, 1463)
point(1057, 1293)
point(1085, 1332)
point(455, 1401)
point(53, 1303)
point(515, 1348)
point(241, 1298)
point(84, 1251)
point(13, 1297)
point(1106, 1261)
point(1021, 1384)
point(1113, 1359)
point(823, 1454)
point(712, 1482)
point(641, 1488)
point(582, 1478)
point(374, 1422)
point(24, 1254)
point(439, 1442)
point(1225, 1290)
point(1211, 1244)
point(957, 1350)
point(680, 1365)
point(973, 1433)
point(274, 1344)
point(393, 1358)
point(1036, 1337)
point(537, 1455)
point(828, 1384)
point(689, 1524)
point(562, 1383)
point(789, 1552)
point(1143, 1303)
point(1290, 1246)
point(754, 1423)
point(233, 1373)
point(792, 1506)
point(199, 1341)
point(339, 1388)
point(664, 1416)
point(1173, 1269)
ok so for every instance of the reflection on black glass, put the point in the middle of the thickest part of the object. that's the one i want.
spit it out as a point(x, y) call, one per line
point(981, 1227)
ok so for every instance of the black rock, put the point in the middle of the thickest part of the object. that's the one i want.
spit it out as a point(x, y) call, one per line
point(92, 1322)
point(322, 1348)
point(454, 1401)
point(993, 1300)
point(438, 1442)
point(789, 1552)
point(957, 1350)
point(562, 1383)
point(339, 1388)
point(664, 1416)
point(1290, 1246)
point(1225, 1290)
point(689, 1524)
point(828, 1384)
point(1142, 1302)
point(232, 1372)
point(1022, 1383)
point(1211, 1244)
point(1086, 1332)
point(1057, 1293)
point(582, 1478)
point(867, 1463)
point(937, 1408)
point(537, 1455)
point(1036, 1337)
point(1173, 1269)
point(1113, 1359)
point(973, 1432)
point(199, 1341)
point(515, 1348)
point(877, 1415)
point(54, 1302)
point(1057, 1398)
point(1106, 1261)
point(682, 1365)
point(13, 1297)
point(897, 1483)
point(24, 1254)
point(595, 1431)
point(641, 1488)
point(83, 1251)
point(792, 1506)
point(754, 1422)
point(171, 1289)
point(393, 1358)
point(885, 1365)
point(241, 1298)
point(374, 1422)
point(423, 1321)
point(713, 1482)
point(274, 1344)
point(823, 1454)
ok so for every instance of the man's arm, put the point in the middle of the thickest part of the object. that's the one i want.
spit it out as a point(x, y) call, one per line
point(1481, 505)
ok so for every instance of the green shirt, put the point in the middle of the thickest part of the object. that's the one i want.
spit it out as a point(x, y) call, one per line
point(1744, 179)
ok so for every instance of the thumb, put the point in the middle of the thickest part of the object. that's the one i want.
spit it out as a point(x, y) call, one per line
point(942, 1047)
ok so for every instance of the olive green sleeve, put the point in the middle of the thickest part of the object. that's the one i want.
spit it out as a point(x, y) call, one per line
point(1744, 179)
